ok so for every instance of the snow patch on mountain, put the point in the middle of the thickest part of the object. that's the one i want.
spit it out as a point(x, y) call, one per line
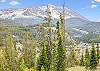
point(34, 12)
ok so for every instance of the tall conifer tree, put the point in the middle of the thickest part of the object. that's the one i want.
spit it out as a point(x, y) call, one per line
point(61, 51)
point(98, 53)
point(82, 60)
point(87, 58)
point(10, 53)
point(48, 49)
point(43, 59)
point(93, 59)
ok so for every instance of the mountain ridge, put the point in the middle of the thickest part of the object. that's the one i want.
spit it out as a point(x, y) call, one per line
point(75, 24)
point(33, 12)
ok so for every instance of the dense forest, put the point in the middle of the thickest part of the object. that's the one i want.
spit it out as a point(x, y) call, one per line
point(42, 47)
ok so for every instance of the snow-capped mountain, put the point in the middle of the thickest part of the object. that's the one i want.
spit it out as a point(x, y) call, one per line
point(36, 12)
point(76, 24)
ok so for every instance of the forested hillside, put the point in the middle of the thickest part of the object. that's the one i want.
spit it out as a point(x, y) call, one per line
point(44, 47)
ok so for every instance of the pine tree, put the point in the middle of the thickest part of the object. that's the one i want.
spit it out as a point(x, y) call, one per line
point(49, 54)
point(61, 52)
point(43, 59)
point(82, 60)
point(93, 59)
point(62, 25)
point(32, 51)
point(3, 62)
point(29, 50)
point(61, 56)
point(26, 52)
point(98, 53)
point(54, 50)
point(87, 58)
point(10, 53)
point(72, 58)
point(54, 61)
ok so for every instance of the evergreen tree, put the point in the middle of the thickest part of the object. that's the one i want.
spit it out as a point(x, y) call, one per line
point(26, 52)
point(10, 54)
point(87, 58)
point(54, 58)
point(32, 51)
point(82, 60)
point(3, 62)
point(62, 27)
point(72, 58)
point(29, 50)
point(93, 59)
point(98, 53)
point(61, 52)
point(43, 59)
point(54, 50)
point(61, 56)
point(49, 54)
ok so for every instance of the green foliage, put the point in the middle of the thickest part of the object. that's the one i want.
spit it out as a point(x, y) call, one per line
point(72, 58)
point(32, 69)
point(47, 53)
point(87, 58)
point(1, 40)
point(26, 69)
point(98, 52)
point(90, 38)
point(29, 50)
point(54, 59)
point(42, 68)
point(93, 59)
point(61, 57)
point(22, 65)
point(82, 60)
point(49, 45)
point(10, 53)
point(43, 60)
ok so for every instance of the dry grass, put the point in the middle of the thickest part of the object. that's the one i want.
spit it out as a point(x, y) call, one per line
point(78, 68)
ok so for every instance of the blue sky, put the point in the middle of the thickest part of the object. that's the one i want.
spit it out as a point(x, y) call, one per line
point(87, 8)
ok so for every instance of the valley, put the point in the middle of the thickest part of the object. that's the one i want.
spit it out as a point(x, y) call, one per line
point(48, 38)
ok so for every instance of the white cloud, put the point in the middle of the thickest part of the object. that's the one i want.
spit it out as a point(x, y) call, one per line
point(92, 1)
point(97, 0)
point(14, 3)
point(94, 6)
point(2, 0)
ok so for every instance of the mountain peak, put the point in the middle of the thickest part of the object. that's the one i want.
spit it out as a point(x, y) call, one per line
point(36, 12)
